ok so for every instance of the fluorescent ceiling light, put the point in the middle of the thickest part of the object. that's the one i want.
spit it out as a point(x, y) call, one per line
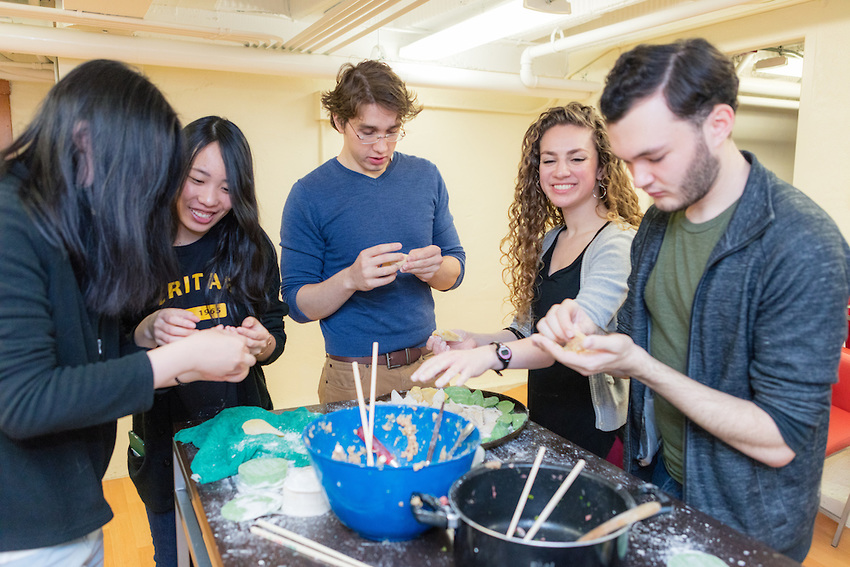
point(508, 19)
point(780, 65)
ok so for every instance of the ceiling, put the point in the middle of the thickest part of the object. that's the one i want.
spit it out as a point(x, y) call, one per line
point(313, 37)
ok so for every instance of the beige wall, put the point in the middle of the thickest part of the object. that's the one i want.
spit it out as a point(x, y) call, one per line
point(474, 139)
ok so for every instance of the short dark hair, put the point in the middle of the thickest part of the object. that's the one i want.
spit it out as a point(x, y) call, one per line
point(244, 251)
point(693, 75)
point(118, 229)
point(369, 82)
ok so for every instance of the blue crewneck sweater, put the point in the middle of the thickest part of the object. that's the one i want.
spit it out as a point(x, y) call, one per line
point(332, 214)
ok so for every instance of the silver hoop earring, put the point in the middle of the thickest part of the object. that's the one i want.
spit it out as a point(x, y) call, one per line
point(602, 193)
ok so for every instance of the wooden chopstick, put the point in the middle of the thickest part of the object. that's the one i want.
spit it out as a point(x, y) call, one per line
point(435, 434)
point(371, 435)
point(544, 515)
point(525, 490)
point(303, 545)
point(364, 421)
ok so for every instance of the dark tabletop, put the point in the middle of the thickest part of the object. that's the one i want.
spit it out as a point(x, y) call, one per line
point(651, 542)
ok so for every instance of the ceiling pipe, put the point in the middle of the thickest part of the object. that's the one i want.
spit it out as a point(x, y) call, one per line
point(763, 102)
point(26, 74)
point(75, 44)
point(769, 88)
point(615, 31)
point(56, 15)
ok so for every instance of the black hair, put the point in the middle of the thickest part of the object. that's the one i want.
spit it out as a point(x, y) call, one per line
point(104, 159)
point(242, 245)
point(693, 75)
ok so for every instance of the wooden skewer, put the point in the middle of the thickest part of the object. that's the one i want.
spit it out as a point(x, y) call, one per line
point(303, 545)
point(526, 489)
point(544, 515)
point(630, 516)
point(364, 421)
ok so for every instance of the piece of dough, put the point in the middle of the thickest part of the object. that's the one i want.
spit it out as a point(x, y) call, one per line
point(263, 472)
point(447, 335)
point(575, 343)
point(398, 264)
point(251, 505)
point(695, 559)
point(259, 427)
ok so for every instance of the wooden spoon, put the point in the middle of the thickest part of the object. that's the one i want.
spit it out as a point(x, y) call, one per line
point(259, 427)
point(630, 516)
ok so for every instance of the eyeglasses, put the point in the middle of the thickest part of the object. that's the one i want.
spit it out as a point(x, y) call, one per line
point(373, 138)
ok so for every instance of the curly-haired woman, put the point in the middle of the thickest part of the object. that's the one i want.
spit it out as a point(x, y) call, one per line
point(571, 225)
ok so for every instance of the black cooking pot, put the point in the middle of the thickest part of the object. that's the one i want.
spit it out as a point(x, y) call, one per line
point(482, 503)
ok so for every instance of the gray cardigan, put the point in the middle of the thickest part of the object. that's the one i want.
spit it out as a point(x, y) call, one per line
point(604, 271)
point(767, 324)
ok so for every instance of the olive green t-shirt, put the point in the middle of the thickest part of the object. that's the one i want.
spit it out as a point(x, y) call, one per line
point(669, 296)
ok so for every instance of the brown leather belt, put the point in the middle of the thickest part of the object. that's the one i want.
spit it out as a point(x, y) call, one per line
point(393, 359)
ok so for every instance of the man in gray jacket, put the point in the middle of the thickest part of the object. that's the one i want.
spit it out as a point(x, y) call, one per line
point(735, 316)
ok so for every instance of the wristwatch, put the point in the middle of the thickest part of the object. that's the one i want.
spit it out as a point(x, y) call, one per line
point(503, 353)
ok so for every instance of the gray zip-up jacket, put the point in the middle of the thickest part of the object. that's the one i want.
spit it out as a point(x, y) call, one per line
point(767, 324)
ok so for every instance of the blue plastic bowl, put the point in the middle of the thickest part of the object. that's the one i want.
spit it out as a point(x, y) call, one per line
point(375, 501)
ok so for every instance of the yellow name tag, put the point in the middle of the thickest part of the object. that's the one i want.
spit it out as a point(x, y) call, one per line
point(207, 312)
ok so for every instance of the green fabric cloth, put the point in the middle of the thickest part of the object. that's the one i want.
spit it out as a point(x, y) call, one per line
point(223, 446)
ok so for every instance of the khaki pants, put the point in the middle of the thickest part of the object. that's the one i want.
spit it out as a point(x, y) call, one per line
point(337, 381)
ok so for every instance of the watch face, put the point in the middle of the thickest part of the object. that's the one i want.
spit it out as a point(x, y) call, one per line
point(503, 352)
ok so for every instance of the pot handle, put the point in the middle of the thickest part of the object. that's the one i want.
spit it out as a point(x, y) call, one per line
point(657, 494)
point(436, 514)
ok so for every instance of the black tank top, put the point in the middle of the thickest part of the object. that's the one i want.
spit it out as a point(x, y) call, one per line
point(558, 396)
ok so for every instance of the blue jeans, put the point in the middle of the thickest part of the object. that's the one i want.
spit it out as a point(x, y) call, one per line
point(164, 535)
point(662, 479)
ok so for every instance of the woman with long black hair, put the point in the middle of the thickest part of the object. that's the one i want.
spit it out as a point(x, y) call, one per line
point(228, 276)
point(85, 235)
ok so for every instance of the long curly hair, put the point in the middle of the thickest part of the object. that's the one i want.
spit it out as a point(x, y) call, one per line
point(532, 214)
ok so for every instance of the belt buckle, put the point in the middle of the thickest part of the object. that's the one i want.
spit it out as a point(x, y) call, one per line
point(390, 365)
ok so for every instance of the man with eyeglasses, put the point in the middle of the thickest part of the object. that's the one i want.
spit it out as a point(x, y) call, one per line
point(366, 236)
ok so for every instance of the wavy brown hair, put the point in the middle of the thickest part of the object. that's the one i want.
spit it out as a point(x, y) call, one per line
point(368, 82)
point(532, 214)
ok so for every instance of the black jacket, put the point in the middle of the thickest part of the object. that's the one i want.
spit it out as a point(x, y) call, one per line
point(62, 388)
